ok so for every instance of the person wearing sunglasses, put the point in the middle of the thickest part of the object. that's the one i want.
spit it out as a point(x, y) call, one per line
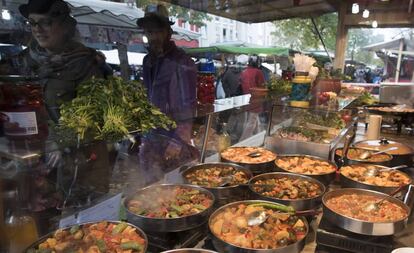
point(60, 62)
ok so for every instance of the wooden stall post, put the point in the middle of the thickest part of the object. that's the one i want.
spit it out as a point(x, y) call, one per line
point(123, 59)
point(341, 37)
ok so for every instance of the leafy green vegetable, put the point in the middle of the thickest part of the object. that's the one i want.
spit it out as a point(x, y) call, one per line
point(366, 99)
point(279, 86)
point(108, 109)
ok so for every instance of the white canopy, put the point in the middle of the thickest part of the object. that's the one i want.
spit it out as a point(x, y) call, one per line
point(133, 58)
point(98, 12)
point(95, 12)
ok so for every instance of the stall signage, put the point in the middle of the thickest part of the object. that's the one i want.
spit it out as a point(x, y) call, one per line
point(105, 210)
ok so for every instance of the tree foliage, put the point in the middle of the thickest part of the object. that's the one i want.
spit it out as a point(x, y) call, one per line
point(359, 38)
point(300, 34)
point(191, 16)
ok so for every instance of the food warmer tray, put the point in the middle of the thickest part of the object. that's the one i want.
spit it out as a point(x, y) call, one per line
point(286, 146)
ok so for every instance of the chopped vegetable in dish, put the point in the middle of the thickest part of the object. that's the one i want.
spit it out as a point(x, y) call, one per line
point(169, 202)
point(248, 155)
point(95, 237)
point(304, 165)
point(280, 229)
point(213, 176)
point(393, 178)
point(287, 188)
point(355, 206)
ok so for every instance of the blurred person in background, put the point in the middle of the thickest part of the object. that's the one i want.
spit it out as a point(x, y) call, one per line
point(252, 76)
point(170, 77)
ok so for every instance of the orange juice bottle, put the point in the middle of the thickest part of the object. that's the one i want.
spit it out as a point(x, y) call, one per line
point(21, 231)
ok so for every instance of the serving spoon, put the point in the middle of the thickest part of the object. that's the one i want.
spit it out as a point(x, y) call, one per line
point(254, 154)
point(367, 154)
point(373, 172)
point(375, 206)
point(258, 217)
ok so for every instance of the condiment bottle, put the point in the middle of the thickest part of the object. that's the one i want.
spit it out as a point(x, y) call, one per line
point(224, 140)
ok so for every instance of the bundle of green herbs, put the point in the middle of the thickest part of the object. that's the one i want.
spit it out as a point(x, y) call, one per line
point(108, 109)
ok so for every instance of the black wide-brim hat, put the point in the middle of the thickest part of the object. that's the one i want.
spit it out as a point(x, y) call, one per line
point(156, 14)
point(50, 7)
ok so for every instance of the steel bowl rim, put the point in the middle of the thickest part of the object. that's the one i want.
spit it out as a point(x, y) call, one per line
point(44, 237)
point(290, 174)
point(195, 249)
point(367, 164)
point(170, 185)
point(234, 165)
point(243, 163)
point(371, 192)
point(217, 211)
point(309, 156)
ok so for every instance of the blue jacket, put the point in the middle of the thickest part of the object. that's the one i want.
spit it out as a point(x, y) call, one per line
point(171, 82)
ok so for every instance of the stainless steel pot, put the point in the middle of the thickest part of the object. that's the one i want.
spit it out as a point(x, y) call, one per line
point(255, 168)
point(363, 227)
point(338, 159)
point(226, 193)
point(222, 246)
point(188, 250)
point(45, 237)
point(169, 224)
point(326, 178)
point(347, 182)
point(402, 155)
point(298, 204)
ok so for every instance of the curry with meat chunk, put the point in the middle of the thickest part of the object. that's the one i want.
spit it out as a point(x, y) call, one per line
point(359, 173)
point(354, 206)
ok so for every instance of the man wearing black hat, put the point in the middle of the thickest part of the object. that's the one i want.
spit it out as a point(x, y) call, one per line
point(170, 78)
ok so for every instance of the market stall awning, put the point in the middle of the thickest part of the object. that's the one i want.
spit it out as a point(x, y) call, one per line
point(279, 51)
point(391, 45)
point(105, 13)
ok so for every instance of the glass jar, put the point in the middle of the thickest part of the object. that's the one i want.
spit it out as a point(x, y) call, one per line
point(205, 88)
point(23, 113)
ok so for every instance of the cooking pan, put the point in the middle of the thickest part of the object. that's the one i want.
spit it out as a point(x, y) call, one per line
point(169, 224)
point(364, 227)
point(298, 204)
point(347, 182)
point(325, 178)
point(223, 246)
point(255, 168)
point(222, 194)
point(36, 244)
point(402, 155)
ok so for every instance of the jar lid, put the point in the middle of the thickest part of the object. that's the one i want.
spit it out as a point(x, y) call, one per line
point(380, 145)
